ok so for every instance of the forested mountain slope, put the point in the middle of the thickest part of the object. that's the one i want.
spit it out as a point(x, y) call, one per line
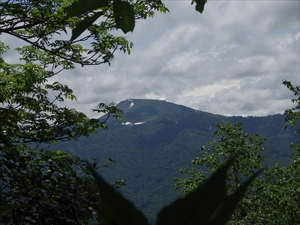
point(159, 138)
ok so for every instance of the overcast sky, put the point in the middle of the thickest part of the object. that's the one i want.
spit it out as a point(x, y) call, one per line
point(230, 60)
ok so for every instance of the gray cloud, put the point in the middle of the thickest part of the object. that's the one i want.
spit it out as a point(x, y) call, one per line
point(229, 60)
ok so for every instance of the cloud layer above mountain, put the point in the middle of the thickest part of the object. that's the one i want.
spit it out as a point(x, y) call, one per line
point(230, 60)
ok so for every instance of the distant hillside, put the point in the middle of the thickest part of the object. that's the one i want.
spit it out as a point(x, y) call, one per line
point(159, 138)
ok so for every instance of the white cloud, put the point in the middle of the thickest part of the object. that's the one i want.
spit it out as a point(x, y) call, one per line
point(229, 60)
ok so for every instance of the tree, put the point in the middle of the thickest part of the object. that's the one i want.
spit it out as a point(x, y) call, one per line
point(51, 187)
point(276, 199)
point(230, 142)
point(292, 116)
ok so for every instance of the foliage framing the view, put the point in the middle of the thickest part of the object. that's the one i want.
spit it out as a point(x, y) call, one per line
point(31, 174)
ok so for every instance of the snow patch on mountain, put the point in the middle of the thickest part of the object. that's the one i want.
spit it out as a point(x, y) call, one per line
point(130, 105)
point(130, 123)
point(139, 123)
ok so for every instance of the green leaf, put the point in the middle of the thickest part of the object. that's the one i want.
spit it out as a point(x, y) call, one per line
point(115, 208)
point(84, 24)
point(199, 5)
point(198, 206)
point(83, 6)
point(124, 16)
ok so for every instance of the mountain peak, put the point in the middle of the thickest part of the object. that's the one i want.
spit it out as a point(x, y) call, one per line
point(137, 110)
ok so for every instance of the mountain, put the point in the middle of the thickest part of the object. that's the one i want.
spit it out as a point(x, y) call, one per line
point(158, 138)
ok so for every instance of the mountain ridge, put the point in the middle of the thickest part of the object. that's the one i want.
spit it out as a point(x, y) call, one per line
point(144, 109)
point(164, 107)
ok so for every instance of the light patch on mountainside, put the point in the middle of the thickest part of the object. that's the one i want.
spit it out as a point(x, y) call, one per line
point(129, 123)
point(131, 104)
point(139, 123)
